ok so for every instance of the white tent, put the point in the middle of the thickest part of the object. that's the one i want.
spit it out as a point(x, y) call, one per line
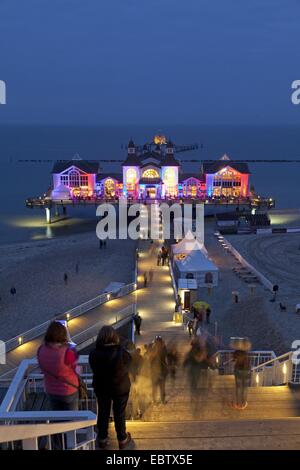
point(196, 264)
point(187, 244)
point(61, 193)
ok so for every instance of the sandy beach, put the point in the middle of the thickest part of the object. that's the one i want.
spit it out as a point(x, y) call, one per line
point(36, 269)
point(277, 256)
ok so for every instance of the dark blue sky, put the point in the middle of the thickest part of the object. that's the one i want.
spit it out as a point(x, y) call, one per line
point(149, 61)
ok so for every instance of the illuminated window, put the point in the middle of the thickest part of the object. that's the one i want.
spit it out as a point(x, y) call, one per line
point(74, 179)
point(170, 177)
point(131, 176)
point(64, 179)
point(84, 180)
point(160, 140)
point(150, 173)
point(110, 189)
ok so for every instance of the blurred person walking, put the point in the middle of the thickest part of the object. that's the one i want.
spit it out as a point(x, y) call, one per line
point(173, 360)
point(196, 364)
point(158, 368)
point(242, 373)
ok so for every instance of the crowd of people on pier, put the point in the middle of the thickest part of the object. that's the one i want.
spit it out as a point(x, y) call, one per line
point(129, 379)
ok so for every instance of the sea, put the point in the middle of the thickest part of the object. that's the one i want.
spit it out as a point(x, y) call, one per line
point(37, 144)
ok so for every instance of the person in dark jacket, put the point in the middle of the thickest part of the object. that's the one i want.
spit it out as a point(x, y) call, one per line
point(137, 323)
point(158, 368)
point(242, 372)
point(110, 364)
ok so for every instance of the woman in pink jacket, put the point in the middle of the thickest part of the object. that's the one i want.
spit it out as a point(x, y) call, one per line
point(58, 360)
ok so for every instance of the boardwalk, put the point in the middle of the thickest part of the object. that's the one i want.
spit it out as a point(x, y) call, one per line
point(106, 313)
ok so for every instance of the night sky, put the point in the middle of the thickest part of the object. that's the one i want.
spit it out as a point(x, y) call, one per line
point(139, 62)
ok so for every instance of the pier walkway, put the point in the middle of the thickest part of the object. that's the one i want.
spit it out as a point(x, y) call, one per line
point(105, 313)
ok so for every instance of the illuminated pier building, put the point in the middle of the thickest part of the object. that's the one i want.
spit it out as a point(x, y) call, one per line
point(151, 172)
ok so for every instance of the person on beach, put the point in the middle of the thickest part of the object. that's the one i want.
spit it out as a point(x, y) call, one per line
point(110, 364)
point(66, 279)
point(13, 291)
point(242, 373)
point(151, 274)
point(77, 267)
point(158, 368)
point(137, 323)
point(159, 258)
point(100, 244)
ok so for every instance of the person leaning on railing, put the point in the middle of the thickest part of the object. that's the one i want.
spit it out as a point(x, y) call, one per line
point(58, 360)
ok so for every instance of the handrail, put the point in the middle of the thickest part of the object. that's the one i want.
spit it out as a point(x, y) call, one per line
point(20, 432)
point(76, 337)
point(38, 330)
point(12, 390)
point(278, 358)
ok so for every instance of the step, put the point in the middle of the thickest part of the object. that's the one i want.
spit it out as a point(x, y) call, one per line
point(267, 434)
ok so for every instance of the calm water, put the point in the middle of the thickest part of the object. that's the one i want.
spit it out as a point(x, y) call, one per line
point(22, 180)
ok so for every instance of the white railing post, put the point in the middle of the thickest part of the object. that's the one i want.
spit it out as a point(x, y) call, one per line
point(30, 444)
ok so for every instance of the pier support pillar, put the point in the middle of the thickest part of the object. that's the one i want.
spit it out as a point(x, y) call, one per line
point(48, 215)
point(56, 210)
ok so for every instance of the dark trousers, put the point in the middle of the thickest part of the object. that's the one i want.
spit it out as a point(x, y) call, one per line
point(242, 381)
point(119, 408)
point(161, 385)
point(138, 329)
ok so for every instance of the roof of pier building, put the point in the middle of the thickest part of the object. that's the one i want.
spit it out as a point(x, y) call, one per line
point(214, 167)
point(155, 157)
point(83, 165)
point(186, 176)
point(114, 176)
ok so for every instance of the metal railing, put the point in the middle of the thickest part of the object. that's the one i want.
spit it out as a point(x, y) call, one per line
point(267, 368)
point(226, 364)
point(69, 430)
point(226, 244)
point(39, 330)
point(277, 371)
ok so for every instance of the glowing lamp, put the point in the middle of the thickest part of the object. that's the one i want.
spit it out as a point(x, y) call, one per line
point(68, 316)
point(284, 368)
point(20, 340)
point(108, 296)
point(257, 379)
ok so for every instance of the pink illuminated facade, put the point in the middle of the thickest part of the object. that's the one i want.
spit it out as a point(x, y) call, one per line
point(151, 172)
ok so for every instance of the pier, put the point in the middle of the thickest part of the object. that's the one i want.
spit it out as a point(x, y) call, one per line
point(271, 420)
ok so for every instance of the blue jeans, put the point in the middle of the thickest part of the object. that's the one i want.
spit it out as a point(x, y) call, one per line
point(63, 402)
point(60, 403)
